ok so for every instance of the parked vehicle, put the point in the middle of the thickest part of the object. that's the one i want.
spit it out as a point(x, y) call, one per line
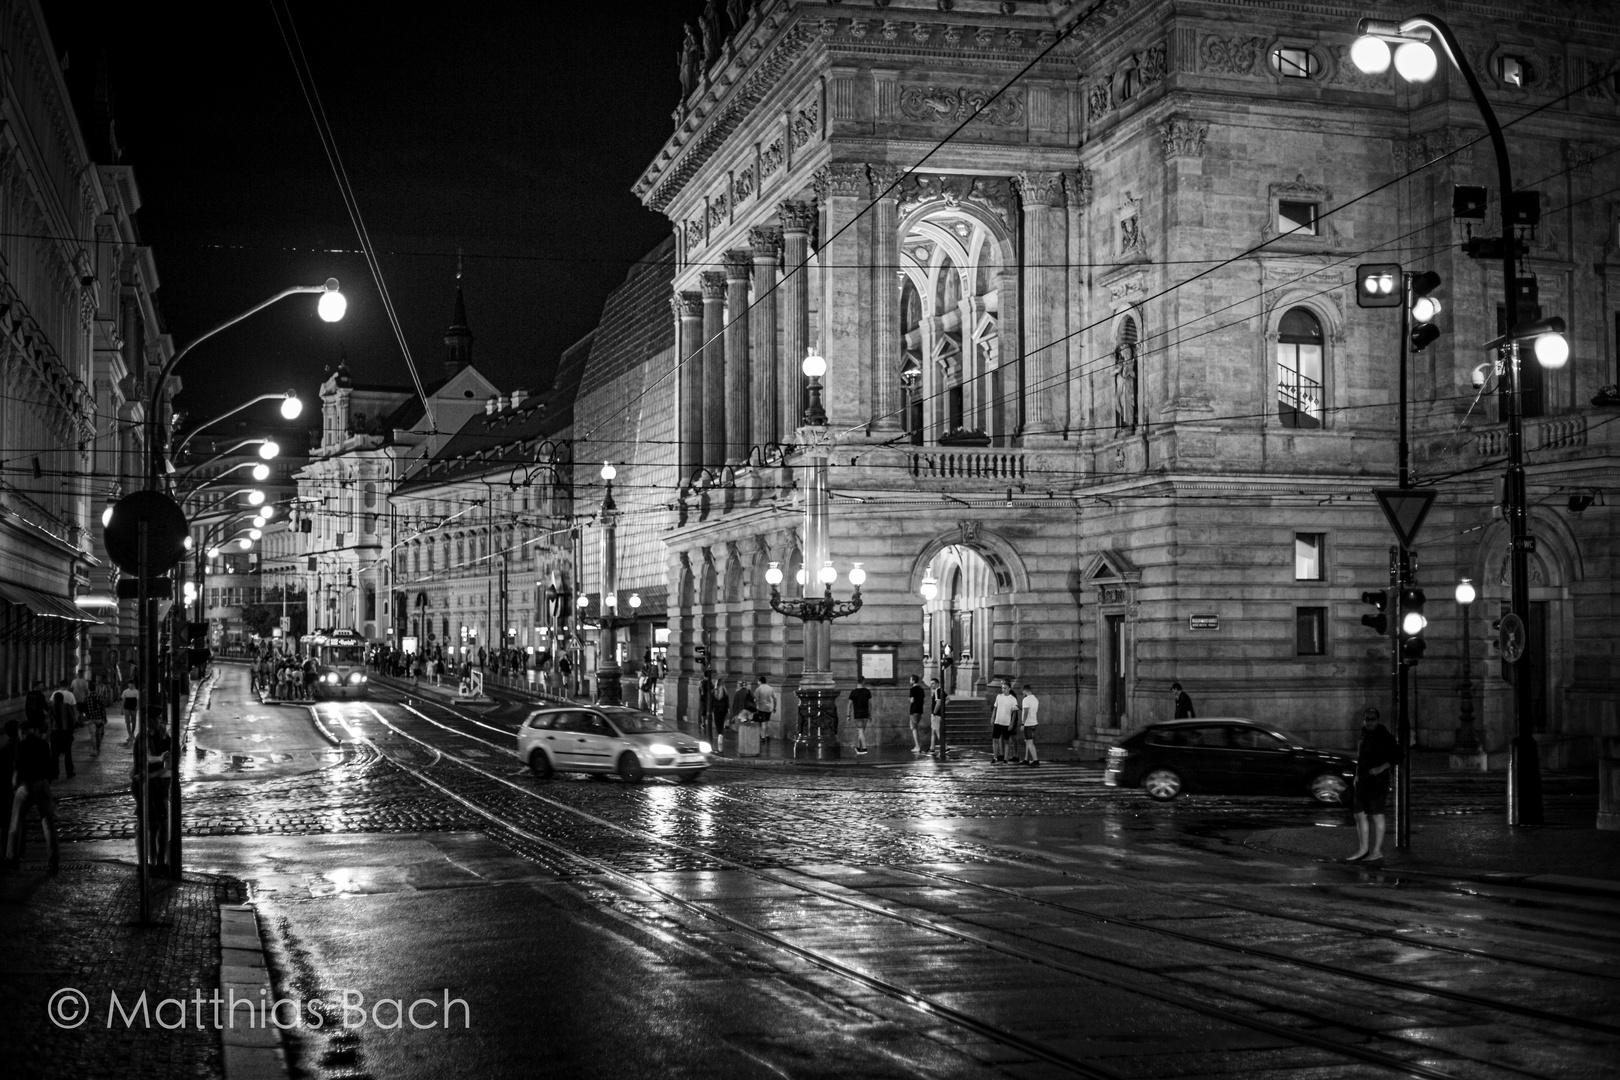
point(1230, 756)
point(609, 740)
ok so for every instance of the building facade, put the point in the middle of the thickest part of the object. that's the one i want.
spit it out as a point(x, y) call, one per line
point(1083, 279)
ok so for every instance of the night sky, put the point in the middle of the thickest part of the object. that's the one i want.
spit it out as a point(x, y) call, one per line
point(514, 131)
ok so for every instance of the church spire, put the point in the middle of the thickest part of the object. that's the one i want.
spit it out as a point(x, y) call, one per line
point(458, 339)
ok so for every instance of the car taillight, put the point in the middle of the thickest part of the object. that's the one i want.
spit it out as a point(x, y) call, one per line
point(1117, 752)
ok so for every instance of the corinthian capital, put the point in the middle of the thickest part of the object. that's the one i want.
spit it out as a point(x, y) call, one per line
point(1040, 188)
point(765, 240)
point(688, 304)
point(713, 283)
point(885, 177)
point(840, 179)
point(797, 217)
point(739, 264)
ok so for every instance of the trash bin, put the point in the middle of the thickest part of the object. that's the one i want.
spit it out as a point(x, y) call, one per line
point(747, 739)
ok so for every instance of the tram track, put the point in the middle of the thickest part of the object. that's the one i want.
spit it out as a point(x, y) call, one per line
point(932, 925)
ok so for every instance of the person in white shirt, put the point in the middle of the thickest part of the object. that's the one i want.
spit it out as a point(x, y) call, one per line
point(1003, 713)
point(1029, 716)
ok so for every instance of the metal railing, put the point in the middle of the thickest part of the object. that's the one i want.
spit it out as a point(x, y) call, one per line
point(1299, 392)
point(961, 463)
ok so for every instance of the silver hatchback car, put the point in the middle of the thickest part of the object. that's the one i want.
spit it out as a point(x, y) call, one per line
point(609, 739)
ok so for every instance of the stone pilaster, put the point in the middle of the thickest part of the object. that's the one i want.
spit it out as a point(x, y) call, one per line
point(739, 267)
point(884, 287)
point(763, 359)
point(1046, 399)
point(714, 369)
point(845, 275)
point(797, 220)
point(689, 389)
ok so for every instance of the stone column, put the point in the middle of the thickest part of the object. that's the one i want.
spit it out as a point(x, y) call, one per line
point(762, 329)
point(797, 219)
point(714, 369)
point(689, 384)
point(845, 331)
point(739, 266)
point(884, 286)
point(1045, 385)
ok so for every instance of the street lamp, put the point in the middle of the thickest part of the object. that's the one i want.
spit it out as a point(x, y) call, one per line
point(608, 689)
point(268, 449)
point(292, 407)
point(1371, 54)
point(1465, 751)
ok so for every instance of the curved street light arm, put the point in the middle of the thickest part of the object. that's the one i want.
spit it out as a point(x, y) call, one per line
point(153, 469)
point(223, 453)
point(249, 403)
point(187, 496)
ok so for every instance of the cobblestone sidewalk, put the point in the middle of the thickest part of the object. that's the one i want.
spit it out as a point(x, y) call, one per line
point(75, 930)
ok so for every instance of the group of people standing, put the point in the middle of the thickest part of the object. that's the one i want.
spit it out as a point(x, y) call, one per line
point(746, 702)
point(38, 751)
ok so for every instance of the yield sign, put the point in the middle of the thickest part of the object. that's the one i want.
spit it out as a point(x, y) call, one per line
point(1405, 509)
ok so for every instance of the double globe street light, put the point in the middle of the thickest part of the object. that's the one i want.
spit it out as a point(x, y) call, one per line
point(1414, 59)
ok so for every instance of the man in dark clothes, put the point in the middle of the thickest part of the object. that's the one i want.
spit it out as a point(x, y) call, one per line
point(34, 767)
point(1375, 764)
point(1184, 705)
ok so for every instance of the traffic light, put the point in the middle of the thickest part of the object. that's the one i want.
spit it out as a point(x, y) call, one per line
point(1380, 600)
point(1378, 285)
point(1413, 623)
point(1425, 309)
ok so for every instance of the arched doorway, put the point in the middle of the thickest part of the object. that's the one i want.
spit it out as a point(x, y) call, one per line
point(967, 608)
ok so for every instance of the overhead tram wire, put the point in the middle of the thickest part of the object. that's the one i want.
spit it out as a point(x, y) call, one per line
point(306, 83)
point(1062, 36)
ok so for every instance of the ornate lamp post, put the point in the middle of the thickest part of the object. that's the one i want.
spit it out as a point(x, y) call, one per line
point(1415, 61)
point(818, 697)
point(608, 688)
point(1466, 752)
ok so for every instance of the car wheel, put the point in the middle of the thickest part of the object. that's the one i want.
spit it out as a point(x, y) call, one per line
point(1162, 784)
point(539, 764)
point(1330, 789)
point(629, 768)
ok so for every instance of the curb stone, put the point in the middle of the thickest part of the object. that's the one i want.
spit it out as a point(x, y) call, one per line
point(253, 1052)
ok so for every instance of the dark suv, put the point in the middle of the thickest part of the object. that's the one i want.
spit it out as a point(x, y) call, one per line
point(1231, 756)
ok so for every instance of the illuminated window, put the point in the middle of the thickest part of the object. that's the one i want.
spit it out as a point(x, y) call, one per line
point(1299, 370)
point(1308, 551)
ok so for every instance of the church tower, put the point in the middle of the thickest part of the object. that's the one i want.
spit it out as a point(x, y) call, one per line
point(458, 339)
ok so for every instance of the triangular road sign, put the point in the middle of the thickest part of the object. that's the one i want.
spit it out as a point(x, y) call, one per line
point(1405, 508)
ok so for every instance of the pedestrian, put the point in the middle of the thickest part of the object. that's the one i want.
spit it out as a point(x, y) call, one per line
point(718, 704)
point(1003, 711)
point(95, 714)
point(36, 708)
point(81, 693)
point(131, 701)
point(646, 688)
point(155, 776)
point(860, 714)
point(936, 719)
point(1375, 763)
point(1184, 705)
point(64, 720)
point(35, 764)
point(311, 677)
point(1029, 718)
point(742, 708)
point(916, 703)
point(764, 701)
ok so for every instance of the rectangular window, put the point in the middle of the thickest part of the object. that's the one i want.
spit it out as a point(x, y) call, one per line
point(1296, 217)
point(1293, 63)
point(1310, 631)
point(1308, 552)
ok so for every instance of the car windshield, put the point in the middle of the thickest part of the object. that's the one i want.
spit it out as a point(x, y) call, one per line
point(636, 722)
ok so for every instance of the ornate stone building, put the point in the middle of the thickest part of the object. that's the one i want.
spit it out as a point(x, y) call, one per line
point(1083, 280)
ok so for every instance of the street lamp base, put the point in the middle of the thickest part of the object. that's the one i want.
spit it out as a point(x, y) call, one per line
point(818, 719)
point(609, 691)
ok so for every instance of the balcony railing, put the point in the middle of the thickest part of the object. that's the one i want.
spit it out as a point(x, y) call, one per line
point(1540, 433)
point(1300, 393)
point(962, 463)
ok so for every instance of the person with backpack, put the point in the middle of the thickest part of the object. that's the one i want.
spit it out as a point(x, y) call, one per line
point(64, 719)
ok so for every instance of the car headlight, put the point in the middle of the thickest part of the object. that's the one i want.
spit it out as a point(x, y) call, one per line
point(659, 749)
point(704, 747)
point(331, 676)
point(356, 678)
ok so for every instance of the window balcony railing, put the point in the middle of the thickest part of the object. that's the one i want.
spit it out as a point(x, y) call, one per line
point(1300, 393)
point(1564, 432)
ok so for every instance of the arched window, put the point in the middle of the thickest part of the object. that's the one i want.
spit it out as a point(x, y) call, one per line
point(1299, 369)
point(1127, 376)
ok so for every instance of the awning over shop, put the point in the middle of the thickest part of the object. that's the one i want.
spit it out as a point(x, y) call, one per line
point(45, 606)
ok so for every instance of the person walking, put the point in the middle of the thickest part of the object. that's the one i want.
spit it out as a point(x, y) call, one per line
point(1375, 764)
point(936, 719)
point(741, 708)
point(131, 700)
point(860, 714)
point(1184, 705)
point(1003, 712)
point(1029, 719)
point(154, 773)
point(916, 704)
point(64, 719)
point(718, 703)
point(95, 714)
point(764, 701)
point(35, 765)
point(81, 694)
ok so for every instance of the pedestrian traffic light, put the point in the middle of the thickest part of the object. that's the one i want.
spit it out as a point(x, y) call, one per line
point(1425, 309)
point(1413, 623)
point(1378, 285)
point(1380, 600)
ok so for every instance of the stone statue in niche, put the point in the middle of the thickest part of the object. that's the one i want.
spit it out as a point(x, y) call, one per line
point(709, 24)
point(688, 61)
point(1125, 372)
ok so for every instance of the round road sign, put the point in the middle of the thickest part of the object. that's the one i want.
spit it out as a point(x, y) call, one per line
point(166, 531)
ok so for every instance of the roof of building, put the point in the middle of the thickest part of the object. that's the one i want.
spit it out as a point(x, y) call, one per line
point(636, 321)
